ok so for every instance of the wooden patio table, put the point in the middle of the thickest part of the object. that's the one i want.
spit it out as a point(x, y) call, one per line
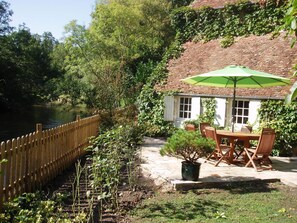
point(232, 136)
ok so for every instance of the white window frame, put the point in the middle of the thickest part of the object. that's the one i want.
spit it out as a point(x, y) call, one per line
point(185, 109)
point(244, 110)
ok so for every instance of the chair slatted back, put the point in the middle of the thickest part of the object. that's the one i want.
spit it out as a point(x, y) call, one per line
point(202, 127)
point(266, 142)
point(210, 132)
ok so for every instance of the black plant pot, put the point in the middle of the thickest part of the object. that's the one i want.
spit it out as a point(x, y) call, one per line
point(190, 171)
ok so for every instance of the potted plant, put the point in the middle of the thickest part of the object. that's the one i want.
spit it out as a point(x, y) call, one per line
point(191, 125)
point(190, 146)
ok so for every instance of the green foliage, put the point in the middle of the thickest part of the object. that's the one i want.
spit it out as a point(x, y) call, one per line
point(114, 151)
point(209, 111)
point(290, 19)
point(118, 51)
point(151, 101)
point(33, 207)
point(26, 69)
point(227, 41)
point(238, 19)
point(5, 15)
point(283, 119)
point(188, 144)
point(290, 24)
point(194, 122)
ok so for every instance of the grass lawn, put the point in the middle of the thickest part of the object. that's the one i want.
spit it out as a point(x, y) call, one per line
point(245, 202)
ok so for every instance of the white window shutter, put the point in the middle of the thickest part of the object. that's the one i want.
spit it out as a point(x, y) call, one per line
point(253, 112)
point(195, 111)
point(220, 111)
point(169, 108)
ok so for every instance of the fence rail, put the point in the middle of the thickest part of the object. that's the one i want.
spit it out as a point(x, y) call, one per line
point(36, 158)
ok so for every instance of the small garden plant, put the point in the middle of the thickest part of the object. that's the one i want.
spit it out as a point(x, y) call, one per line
point(190, 145)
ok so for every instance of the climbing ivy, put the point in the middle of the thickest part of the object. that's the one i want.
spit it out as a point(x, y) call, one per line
point(151, 101)
point(209, 110)
point(283, 119)
point(240, 19)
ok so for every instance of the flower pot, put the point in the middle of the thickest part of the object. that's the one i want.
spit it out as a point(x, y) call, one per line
point(190, 171)
point(190, 127)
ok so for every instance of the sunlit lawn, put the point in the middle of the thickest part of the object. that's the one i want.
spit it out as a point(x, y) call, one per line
point(237, 203)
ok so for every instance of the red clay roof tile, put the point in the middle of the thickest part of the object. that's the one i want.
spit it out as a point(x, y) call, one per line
point(256, 52)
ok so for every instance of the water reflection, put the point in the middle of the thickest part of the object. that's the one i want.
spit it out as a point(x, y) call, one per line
point(13, 125)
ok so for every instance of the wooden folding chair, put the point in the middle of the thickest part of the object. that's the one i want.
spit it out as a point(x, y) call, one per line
point(202, 127)
point(221, 151)
point(262, 151)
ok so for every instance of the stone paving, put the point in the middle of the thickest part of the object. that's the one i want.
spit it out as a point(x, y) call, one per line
point(166, 170)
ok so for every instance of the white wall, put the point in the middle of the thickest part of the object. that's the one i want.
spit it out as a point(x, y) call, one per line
point(253, 113)
point(220, 114)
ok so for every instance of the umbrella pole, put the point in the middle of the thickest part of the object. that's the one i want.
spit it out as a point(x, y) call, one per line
point(233, 105)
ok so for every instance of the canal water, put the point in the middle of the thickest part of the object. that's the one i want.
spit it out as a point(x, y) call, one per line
point(13, 125)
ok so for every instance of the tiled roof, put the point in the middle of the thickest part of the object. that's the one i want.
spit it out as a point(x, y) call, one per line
point(261, 53)
point(214, 3)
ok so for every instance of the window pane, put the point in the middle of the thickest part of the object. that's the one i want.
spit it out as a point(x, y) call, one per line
point(181, 108)
point(246, 104)
point(246, 112)
point(181, 115)
point(186, 108)
point(190, 100)
point(186, 100)
point(189, 114)
point(181, 100)
point(190, 108)
point(239, 111)
point(245, 120)
point(239, 120)
point(240, 104)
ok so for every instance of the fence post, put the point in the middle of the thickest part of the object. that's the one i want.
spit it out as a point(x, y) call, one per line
point(38, 155)
point(77, 136)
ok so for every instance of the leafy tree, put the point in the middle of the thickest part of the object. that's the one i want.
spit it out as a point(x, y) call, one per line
point(112, 58)
point(5, 14)
point(25, 65)
point(290, 24)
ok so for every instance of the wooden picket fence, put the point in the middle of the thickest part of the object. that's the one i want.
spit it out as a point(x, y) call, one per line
point(36, 158)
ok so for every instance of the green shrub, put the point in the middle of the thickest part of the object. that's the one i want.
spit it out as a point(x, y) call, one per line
point(190, 145)
point(283, 119)
point(114, 152)
point(33, 207)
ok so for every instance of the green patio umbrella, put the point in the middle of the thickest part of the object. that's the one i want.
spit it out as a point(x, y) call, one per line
point(237, 76)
